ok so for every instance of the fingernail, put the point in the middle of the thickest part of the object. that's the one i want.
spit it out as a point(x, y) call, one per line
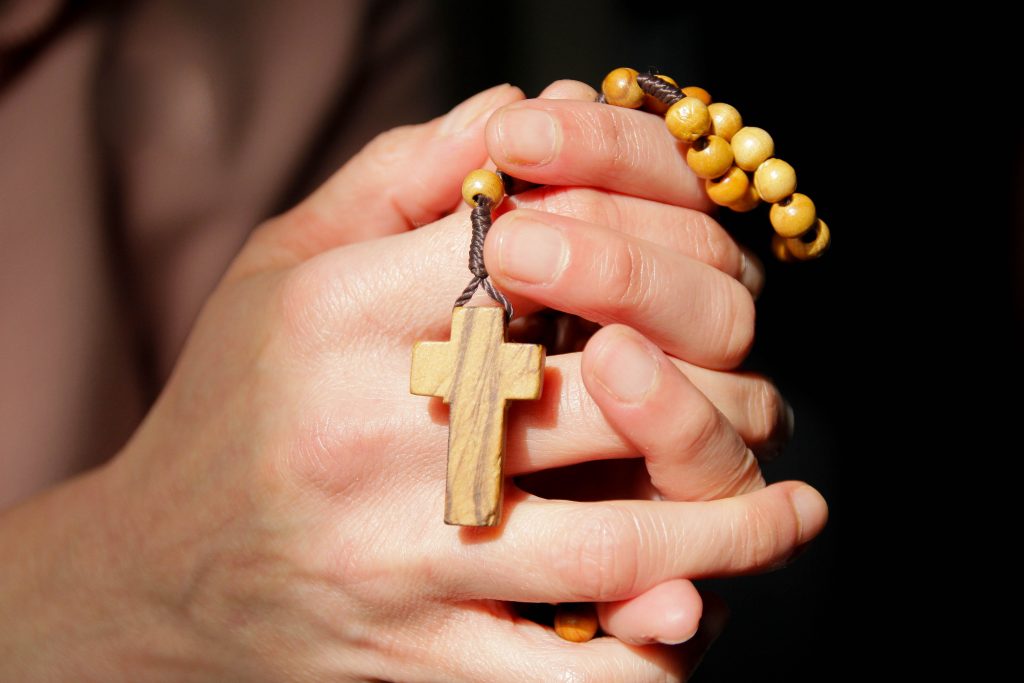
point(527, 136)
point(669, 641)
point(780, 436)
point(811, 511)
point(626, 369)
point(465, 114)
point(751, 273)
point(531, 251)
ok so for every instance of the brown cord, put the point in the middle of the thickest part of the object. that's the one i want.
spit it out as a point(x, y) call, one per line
point(480, 218)
point(663, 91)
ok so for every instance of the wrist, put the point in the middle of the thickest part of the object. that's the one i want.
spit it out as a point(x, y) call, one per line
point(72, 602)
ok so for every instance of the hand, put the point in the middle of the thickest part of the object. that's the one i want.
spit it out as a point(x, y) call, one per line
point(645, 197)
point(669, 214)
point(277, 515)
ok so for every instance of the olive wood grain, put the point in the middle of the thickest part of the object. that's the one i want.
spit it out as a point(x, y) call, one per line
point(477, 372)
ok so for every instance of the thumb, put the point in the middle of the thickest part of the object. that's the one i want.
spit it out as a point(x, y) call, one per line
point(403, 178)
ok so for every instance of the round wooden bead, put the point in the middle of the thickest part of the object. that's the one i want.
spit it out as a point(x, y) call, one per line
point(709, 157)
point(482, 182)
point(621, 89)
point(780, 251)
point(775, 180)
point(729, 188)
point(752, 147)
point(748, 201)
point(793, 216)
point(811, 244)
point(698, 92)
point(725, 120)
point(688, 119)
point(576, 621)
point(653, 104)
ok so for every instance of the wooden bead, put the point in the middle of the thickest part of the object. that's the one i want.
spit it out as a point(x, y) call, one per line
point(698, 92)
point(621, 89)
point(775, 180)
point(793, 216)
point(780, 251)
point(729, 188)
point(811, 244)
point(725, 120)
point(653, 104)
point(748, 201)
point(752, 147)
point(688, 119)
point(709, 157)
point(483, 182)
point(576, 621)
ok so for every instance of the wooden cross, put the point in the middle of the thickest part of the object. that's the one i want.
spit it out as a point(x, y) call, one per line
point(476, 372)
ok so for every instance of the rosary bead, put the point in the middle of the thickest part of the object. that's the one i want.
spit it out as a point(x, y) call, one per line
point(752, 147)
point(698, 92)
point(811, 244)
point(725, 120)
point(709, 157)
point(747, 201)
point(621, 89)
point(483, 182)
point(779, 249)
point(775, 180)
point(653, 104)
point(793, 216)
point(729, 188)
point(576, 621)
point(688, 119)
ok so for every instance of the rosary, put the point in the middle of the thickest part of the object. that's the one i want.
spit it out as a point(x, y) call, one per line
point(478, 371)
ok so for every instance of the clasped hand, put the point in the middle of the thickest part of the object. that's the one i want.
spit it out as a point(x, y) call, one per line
point(278, 514)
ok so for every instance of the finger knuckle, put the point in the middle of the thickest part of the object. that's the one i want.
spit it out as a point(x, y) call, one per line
point(698, 429)
point(743, 477)
point(628, 275)
point(312, 300)
point(759, 537)
point(710, 244)
point(604, 209)
point(301, 289)
point(602, 561)
point(388, 147)
point(732, 321)
point(581, 203)
point(569, 87)
point(764, 407)
point(616, 141)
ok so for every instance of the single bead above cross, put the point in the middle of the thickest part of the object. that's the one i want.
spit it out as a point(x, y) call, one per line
point(477, 372)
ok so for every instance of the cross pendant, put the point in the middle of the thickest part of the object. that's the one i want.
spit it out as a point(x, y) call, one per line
point(476, 372)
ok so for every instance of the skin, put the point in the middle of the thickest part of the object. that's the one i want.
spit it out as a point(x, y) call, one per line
point(277, 515)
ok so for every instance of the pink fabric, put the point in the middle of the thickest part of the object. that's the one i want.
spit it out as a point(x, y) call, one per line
point(138, 150)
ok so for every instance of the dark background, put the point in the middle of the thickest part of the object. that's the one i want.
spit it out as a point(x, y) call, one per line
point(907, 135)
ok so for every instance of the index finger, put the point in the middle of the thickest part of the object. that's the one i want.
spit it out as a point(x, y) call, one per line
point(567, 142)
